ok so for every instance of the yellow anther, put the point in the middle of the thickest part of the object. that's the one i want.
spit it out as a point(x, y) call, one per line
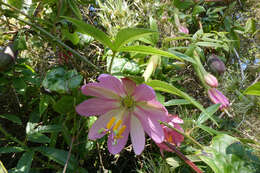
point(119, 122)
point(111, 122)
point(121, 131)
point(170, 139)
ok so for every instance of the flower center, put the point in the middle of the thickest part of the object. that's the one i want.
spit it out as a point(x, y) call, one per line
point(128, 102)
point(114, 127)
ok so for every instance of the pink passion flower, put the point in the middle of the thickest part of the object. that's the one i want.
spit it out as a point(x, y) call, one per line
point(171, 135)
point(123, 108)
point(217, 97)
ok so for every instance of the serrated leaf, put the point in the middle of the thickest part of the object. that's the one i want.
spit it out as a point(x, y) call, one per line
point(253, 89)
point(13, 149)
point(127, 35)
point(165, 87)
point(74, 7)
point(92, 31)
point(13, 118)
point(153, 51)
point(25, 162)
point(59, 156)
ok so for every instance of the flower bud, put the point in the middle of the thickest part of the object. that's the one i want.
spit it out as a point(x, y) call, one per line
point(183, 29)
point(216, 65)
point(211, 80)
point(217, 97)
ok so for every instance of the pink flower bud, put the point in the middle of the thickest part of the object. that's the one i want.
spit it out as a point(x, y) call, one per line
point(217, 97)
point(211, 80)
point(183, 29)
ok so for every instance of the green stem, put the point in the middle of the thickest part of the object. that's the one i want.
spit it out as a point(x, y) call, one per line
point(75, 53)
point(2, 130)
point(182, 133)
point(111, 62)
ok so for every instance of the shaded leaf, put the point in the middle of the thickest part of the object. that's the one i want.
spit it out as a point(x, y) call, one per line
point(74, 7)
point(13, 118)
point(25, 162)
point(92, 31)
point(59, 156)
point(13, 149)
point(38, 138)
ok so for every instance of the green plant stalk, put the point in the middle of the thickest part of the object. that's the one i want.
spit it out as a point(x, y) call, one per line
point(111, 63)
point(182, 133)
point(2, 130)
point(75, 53)
point(200, 71)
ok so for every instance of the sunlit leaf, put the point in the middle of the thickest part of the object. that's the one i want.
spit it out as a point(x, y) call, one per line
point(253, 89)
point(153, 51)
point(127, 35)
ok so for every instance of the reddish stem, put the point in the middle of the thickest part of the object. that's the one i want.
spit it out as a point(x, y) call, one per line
point(183, 157)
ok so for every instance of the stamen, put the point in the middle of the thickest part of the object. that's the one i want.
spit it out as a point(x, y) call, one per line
point(170, 139)
point(111, 122)
point(119, 122)
point(121, 131)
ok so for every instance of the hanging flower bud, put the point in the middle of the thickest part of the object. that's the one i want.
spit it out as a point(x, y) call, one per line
point(211, 80)
point(217, 97)
point(216, 65)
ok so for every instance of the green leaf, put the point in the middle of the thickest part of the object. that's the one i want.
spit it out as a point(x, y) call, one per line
point(250, 26)
point(183, 56)
point(220, 158)
point(209, 130)
point(61, 81)
point(183, 4)
point(211, 110)
point(209, 44)
point(16, 3)
point(124, 66)
point(13, 149)
point(74, 7)
point(253, 89)
point(165, 87)
point(175, 102)
point(73, 37)
point(59, 156)
point(65, 105)
point(39, 138)
point(152, 51)
point(13, 118)
point(48, 129)
point(127, 35)
point(92, 31)
point(25, 162)
point(197, 10)
point(44, 102)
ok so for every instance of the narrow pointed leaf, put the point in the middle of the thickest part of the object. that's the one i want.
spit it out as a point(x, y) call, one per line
point(25, 162)
point(127, 35)
point(74, 7)
point(211, 110)
point(165, 87)
point(153, 51)
point(88, 29)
